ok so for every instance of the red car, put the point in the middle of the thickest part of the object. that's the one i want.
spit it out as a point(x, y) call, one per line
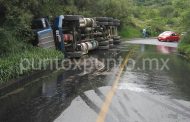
point(169, 36)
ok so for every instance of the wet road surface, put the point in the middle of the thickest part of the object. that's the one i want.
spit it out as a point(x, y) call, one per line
point(127, 90)
point(152, 41)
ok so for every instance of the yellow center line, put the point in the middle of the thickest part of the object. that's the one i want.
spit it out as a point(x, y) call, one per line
point(111, 93)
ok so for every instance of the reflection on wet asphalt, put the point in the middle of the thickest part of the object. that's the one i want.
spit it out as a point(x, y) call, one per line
point(143, 94)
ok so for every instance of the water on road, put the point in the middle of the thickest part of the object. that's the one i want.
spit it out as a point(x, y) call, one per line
point(153, 85)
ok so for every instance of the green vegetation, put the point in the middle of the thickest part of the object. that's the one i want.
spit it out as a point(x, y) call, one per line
point(184, 46)
point(156, 15)
point(130, 32)
point(10, 66)
point(162, 15)
point(16, 33)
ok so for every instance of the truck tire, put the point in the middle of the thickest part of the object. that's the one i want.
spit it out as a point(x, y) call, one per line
point(116, 22)
point(104, 47)
point(110, 19)
point(102, 39)
point(110, 41)
point(111, 45)
point(104, 43)
point(102, 19)
point(110, 23)
point(76, 54)
point(117, 38)
point(102, 23)
point(72, 17)
point(99, 39)
point(117, 42)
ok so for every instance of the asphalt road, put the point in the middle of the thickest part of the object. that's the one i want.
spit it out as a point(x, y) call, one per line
point(126, 90)
point(152, 41)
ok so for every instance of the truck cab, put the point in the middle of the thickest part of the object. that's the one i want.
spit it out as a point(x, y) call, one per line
point(43, 33)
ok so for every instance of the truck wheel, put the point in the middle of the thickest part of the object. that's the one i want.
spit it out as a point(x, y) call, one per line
point(102, 23)
point(117, 38)
point(110, 19)
point(104, 43)
point(102, 19)
point(117, 22)
point(111, 46)
point(102, 39)
point(117, 42)
point(114, 22)
point(99, 39)
point(104, 47)
point(76, 54)
point(110, 23)
point(110, 41)
point(72, 17)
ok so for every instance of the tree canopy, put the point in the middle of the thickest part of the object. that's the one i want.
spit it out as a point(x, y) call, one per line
point(159, 15)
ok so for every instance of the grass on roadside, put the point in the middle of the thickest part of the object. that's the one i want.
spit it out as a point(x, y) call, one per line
point(184, 46)
point(130, 32)
point(184, 49)
point(10, 65)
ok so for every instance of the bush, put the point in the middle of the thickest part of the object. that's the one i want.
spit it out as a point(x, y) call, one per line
point(9, 43)
point(130, 32)
point(184, 46)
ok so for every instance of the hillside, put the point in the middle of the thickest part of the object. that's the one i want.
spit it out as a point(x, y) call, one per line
point(155, 15)
point(160, 15)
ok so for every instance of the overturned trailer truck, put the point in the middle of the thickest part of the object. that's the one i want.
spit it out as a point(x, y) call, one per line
point(75, 35)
